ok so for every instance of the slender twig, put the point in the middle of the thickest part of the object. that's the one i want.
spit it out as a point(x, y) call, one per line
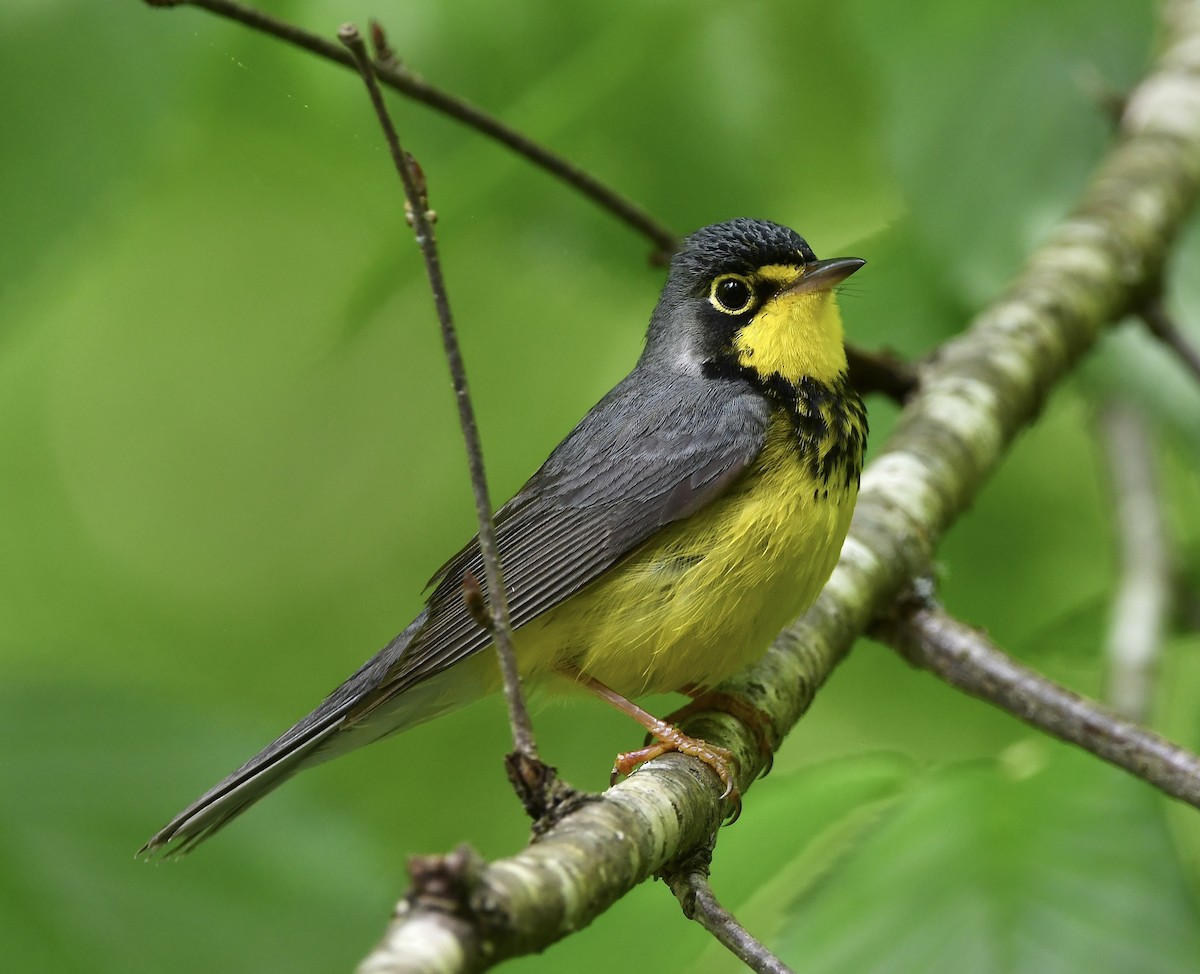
point(394, 74)
point(418, 208)
point(1107, 97)
point(1142, 603)
point(883, 372)
point(1163, 327)
point(688, 880)
point(927, 636)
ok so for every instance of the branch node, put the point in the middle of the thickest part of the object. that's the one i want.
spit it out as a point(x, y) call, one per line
point(444, 883)
point(1107, 97)
point(546, 798)
point(349, 35)
point(1162, 325)
point(384, 54)
point(422, 189)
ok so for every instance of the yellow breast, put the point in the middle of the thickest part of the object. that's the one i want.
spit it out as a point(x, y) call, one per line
point(705, 596)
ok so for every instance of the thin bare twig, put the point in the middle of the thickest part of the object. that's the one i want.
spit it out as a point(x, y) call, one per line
point(871, 372)
point(497, 596)
point(394, 74)
point(688, 880)
point(884, 372)
point(927, 636)
point(1163, 327)
point(1142, 603)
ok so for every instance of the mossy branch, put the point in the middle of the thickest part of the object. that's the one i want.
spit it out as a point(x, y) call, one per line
point(975, 397)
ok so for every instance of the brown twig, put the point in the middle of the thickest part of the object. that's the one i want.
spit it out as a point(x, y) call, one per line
point(418, 208)
point(1163, 327)
point(394, 74)
point(927, 636)
point(1142, 603)
point(884, 372)
point(688, 880)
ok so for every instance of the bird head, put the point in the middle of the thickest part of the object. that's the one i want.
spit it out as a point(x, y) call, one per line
point(751, 295)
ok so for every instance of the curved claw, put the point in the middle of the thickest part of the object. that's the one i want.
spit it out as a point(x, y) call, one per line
point(757, 721)
point(672, 739)
point(667, 737)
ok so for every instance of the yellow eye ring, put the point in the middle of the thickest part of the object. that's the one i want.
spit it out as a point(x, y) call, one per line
point(731, 294)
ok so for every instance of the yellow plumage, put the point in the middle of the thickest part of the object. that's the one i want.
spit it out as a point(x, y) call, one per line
point(703, 598)
point(691, 515)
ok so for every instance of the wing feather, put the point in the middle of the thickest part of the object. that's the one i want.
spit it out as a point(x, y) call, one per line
point(639, 461)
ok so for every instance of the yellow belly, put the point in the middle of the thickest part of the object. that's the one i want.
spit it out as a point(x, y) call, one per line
point(705, 596)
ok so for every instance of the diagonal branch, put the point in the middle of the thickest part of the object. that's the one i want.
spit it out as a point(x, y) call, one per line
point(986, 386)
point(928, 637)
point(688, 880)
point(1164, 327)
point(394, 74)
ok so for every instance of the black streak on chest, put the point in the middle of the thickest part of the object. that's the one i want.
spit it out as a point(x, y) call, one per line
point(830, 420)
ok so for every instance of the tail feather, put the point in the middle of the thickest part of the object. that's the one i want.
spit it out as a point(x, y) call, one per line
point(250, 782)
point(308, 742)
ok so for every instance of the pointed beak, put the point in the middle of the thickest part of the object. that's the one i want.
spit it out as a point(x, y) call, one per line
point(822, 275)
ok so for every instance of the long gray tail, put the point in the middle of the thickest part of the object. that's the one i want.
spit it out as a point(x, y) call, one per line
point(302, 745)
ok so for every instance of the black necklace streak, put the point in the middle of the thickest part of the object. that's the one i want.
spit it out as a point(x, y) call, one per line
point(830, 420)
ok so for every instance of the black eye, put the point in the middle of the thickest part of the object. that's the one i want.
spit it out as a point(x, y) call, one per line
point(732, 294)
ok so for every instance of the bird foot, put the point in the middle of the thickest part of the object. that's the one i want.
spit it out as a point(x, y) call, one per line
point(756, 720)
point(670, 738)
point(667, 737)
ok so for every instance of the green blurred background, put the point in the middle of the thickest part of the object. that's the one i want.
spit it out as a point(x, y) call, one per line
point(229, 461)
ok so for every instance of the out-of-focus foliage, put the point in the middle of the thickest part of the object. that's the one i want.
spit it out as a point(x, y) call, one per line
point(228, 462)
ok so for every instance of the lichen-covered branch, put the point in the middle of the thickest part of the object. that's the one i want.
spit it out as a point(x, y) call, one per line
point(964, 657)
point(974, 398)
point(558, 884)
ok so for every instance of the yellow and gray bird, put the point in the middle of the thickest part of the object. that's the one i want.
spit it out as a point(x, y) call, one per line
point(695, 511)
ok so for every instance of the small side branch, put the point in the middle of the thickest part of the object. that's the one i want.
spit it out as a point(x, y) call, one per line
point(1163, 327)
point(688, 880)
point(394, 74)
point(884, 372)
point(418, 207)
point(927, 636)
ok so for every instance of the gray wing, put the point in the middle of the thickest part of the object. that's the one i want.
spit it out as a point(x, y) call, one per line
point(653, 451)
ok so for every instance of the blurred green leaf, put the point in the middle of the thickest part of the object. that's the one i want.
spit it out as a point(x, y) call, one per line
point(989, 123)
point(73, 896)
point(805, 826)
point(228, 459)
point(1045, 860)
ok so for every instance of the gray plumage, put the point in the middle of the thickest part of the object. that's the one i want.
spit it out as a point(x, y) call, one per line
point(639, 460)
